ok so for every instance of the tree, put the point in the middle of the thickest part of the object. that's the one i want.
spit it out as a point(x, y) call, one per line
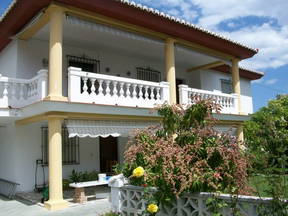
point(266, 135)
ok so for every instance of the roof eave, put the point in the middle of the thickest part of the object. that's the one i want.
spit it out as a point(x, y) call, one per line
point(245, 73)
point(21, 11)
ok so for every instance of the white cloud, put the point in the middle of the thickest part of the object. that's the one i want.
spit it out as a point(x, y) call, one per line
point(258, 81)
point(273, 45)
point(231, 24)
point(266, 82)
point(271, 81)
point(216, 11)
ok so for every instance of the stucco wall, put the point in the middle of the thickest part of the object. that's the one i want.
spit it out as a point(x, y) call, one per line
point(30, 56)
point(8, 60)
point(20, 147)
point(8, 154)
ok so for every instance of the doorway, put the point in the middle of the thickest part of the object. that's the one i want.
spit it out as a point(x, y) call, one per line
point(108, 153)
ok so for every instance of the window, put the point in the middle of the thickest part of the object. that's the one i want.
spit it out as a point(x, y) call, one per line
point(226, 86)
point(148, 74)
point(86, 64)
point(70, 147)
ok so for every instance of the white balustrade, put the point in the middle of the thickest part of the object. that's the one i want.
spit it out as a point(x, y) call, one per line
point(228, 102)
point(129, 200)
point(112, 90)
point(21, 92)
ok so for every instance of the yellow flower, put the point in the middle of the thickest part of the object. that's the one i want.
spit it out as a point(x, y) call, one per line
point(152, 208)
point(138, 172)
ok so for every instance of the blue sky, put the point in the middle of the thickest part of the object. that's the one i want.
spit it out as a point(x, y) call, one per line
point(257, 23)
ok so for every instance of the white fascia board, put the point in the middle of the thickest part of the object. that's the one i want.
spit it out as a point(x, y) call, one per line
point(53, 106)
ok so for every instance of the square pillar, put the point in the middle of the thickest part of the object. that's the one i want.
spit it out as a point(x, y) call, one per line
point(56, 200)
point(170, 69)
point(55, 54)
point(240, 134)
point(236, 82)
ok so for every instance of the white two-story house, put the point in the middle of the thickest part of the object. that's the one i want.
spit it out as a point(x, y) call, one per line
point(76, 77)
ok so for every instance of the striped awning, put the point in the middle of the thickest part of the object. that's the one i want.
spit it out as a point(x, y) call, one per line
point(104, 128)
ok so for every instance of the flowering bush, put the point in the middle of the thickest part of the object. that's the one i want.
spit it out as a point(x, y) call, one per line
point(185, 154)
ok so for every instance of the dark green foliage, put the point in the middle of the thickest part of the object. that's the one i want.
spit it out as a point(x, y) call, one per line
point(83, 176)
point(66, 183)
point(266, 135)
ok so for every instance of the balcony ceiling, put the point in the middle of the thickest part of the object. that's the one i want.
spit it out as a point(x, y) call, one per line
point(125, 43)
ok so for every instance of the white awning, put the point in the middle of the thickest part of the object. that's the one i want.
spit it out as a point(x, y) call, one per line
point(82, 23)
point(104, 128)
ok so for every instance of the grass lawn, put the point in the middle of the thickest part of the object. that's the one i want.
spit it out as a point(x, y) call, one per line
point(260, 184)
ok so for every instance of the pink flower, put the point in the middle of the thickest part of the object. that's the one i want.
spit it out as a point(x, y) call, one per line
point(217, 175)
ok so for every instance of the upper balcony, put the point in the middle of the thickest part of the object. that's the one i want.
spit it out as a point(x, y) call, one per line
point(93, 88)
point(111, 66)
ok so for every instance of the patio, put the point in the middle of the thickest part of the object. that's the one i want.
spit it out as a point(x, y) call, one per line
point(29, 204)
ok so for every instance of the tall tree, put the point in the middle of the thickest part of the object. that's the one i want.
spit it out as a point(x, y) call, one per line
point(266, 135)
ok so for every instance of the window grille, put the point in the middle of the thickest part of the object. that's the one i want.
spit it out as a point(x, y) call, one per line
point(70, 148)
point(148, 74)
point(86, 64)
point(226, 86)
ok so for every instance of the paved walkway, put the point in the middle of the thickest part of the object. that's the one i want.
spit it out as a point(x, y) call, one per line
point(22, 208)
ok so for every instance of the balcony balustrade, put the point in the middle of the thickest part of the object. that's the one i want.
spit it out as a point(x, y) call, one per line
point(94, 88)
point(16, 93)
point(228, 102)
point(113, 90)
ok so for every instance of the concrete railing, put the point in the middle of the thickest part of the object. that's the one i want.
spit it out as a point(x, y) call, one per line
point(21, 92)
point(112, 90)
point(128, 200)
point(228, 102)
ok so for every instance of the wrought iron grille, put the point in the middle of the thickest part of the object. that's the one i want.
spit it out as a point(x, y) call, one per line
point(87, 64)
point(148, 74)
point(70, 147)
point(226, 86)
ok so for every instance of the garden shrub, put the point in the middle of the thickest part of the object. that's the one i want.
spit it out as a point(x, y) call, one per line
point(65, 183)
point(185, 154)
point(83, 176)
